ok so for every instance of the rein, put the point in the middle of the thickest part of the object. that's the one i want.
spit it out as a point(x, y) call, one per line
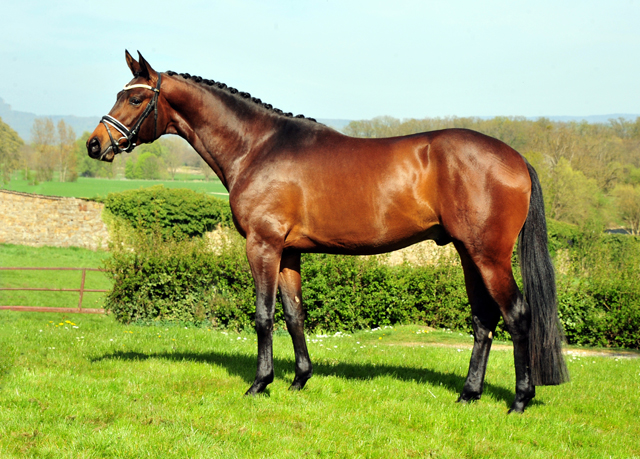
point(130, 134)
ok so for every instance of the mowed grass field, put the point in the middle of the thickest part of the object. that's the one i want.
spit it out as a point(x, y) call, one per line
point(84, 386)
point(97, 187)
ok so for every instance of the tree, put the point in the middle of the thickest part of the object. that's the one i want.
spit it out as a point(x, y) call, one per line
point(129, 169)
point(10, 145)
point(569, 195)
point(67, 164)
point(43, 140)
point(173, 157)
point(145, 166)
point(149, 167)
point(628, 201)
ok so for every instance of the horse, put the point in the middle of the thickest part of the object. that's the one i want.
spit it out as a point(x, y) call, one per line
point(298, 186)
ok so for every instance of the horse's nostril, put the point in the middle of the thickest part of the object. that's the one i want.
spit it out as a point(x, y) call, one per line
point(93, 147)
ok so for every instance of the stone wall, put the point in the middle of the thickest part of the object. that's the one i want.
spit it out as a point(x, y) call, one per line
point(36, 220)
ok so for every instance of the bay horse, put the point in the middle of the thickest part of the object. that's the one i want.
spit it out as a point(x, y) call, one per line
point(298, 186)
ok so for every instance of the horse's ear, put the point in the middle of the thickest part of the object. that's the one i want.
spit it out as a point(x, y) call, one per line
point(134, 66)
point(147, 71)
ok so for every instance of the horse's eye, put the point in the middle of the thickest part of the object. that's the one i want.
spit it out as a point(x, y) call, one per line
point(135, 101)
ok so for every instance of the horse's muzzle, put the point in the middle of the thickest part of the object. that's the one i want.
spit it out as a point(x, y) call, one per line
point(94, 149)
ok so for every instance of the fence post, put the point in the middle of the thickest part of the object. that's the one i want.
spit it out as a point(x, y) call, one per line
point(84, 271)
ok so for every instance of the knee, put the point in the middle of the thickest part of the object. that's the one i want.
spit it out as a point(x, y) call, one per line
point(518, 319)
point(483, 329)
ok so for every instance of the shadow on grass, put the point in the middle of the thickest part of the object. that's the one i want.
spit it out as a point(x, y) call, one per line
point(244, 365)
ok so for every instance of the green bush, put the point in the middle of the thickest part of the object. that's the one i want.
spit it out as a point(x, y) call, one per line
point(178, 280)
point(349, 293)
point(175, 212)
point(562, 235)
point(188, 280)
point(599, 295)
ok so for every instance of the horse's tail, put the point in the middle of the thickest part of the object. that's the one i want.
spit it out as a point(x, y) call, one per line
point(545, 342)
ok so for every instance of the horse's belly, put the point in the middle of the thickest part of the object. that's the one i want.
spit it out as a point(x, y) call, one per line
point(358, 230)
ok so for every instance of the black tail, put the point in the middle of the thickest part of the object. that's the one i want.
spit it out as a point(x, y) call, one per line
point(545, 343)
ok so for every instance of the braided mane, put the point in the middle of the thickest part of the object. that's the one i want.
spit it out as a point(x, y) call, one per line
point(236, 93)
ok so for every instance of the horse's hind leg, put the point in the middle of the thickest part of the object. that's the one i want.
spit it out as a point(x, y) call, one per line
point(494, 266)
point(289, 283)
point(485, 316)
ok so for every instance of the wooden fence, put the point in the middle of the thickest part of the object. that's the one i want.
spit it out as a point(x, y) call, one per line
point(80, 290)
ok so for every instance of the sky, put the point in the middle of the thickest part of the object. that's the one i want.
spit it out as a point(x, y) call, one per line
point(334, 59)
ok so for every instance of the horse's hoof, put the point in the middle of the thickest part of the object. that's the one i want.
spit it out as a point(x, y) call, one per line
point(299, 382)
point(468, 397)
point(255, 389)
point(520, 403)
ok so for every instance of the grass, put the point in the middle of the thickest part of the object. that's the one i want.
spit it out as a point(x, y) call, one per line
point(84, 386)
point(72, 257)
point(97, 187)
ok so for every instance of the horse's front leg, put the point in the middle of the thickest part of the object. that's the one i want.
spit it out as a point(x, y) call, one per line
point(290, 289)
point(264, 259)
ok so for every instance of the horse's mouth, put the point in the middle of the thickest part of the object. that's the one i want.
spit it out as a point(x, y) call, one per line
point(107, 155)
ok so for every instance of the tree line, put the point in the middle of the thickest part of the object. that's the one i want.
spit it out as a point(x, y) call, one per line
point(590, 173)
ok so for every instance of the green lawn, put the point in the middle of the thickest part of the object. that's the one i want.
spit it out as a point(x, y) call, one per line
point(84, 386)
point(94, 187)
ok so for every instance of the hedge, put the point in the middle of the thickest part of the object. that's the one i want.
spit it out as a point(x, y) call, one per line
point(188, 281)
point(158, 277)
point(175, 212)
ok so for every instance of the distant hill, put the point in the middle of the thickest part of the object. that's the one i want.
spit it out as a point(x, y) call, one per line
point(21, 122)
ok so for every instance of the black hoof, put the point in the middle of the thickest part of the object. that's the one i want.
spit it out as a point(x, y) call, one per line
point(255, 389)
point(259, 385)
point(468, 397)
point(299, 382)
point(521, 402)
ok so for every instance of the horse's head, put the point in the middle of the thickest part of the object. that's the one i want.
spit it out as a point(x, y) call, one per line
point(134, 119)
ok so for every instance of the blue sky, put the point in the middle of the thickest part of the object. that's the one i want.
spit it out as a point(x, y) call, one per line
point(334, 59)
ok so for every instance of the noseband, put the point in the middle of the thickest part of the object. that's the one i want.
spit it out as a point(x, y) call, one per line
point(130, 135)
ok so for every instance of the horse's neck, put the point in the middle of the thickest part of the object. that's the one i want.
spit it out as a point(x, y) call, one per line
point(212, 123)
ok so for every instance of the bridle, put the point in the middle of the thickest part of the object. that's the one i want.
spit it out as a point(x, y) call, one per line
point(131, 135)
